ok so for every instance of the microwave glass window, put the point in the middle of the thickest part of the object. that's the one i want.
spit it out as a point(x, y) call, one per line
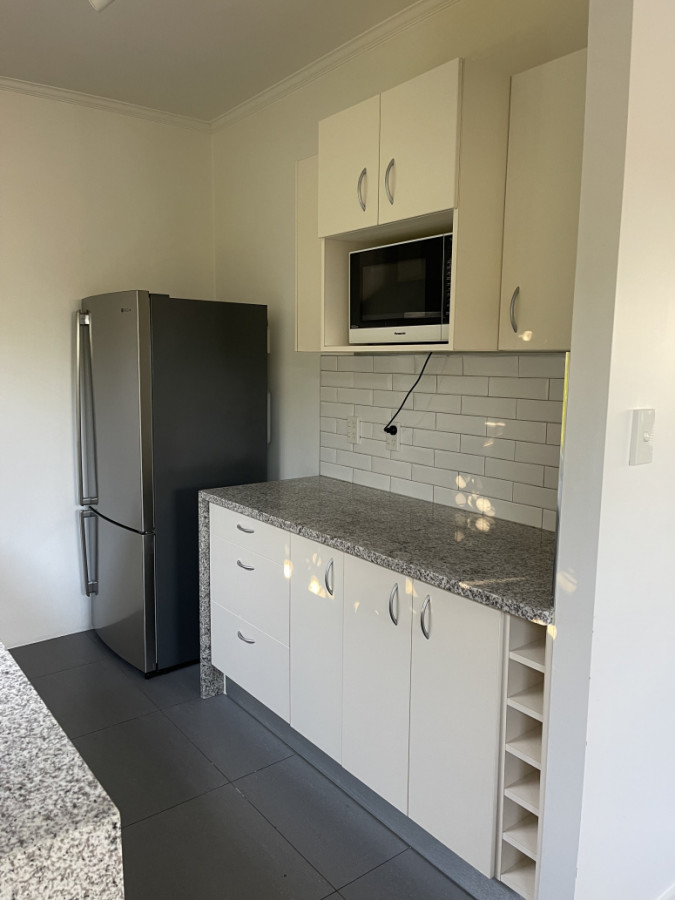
point(393, 291)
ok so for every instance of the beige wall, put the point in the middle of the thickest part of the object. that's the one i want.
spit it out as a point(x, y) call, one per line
point(254, 160)
point(90, 201)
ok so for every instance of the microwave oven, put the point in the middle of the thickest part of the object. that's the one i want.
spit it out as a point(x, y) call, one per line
point(400, 293)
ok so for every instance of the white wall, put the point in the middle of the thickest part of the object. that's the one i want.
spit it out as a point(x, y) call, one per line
point(90, 201)
point(611, 779)
point(254, 171)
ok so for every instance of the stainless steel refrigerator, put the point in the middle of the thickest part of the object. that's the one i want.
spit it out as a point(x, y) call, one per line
point(171, 398)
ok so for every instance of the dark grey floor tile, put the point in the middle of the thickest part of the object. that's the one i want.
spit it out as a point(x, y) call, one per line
point(147, 765)
point(91, 697)
point(166, 689)
point(67, 652)
point(217, 847)
point(229, 736)
point(333, 832)
point(406, 877)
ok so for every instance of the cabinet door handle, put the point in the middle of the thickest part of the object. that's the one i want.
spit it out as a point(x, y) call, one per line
point(329, 569)
point(426, 609)
point(244, 566)
point(390, 196)
point(394, 593)
point(512, 310)
point(244, 639)
point(359, 194)
point(245, 530)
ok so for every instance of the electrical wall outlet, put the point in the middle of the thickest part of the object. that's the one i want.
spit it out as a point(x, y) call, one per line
point(354, 430)
point(393, 441)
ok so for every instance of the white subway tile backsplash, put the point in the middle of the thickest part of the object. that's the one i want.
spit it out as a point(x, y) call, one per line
point(437, 440)
point(550, 520)
point(523, 388)
point(460, 462)
point(480, 431)
point(461, 424)
point(516, 430)
point(489, 406)
point(355, 364)
point(544, 454)
point(447, 403)
point(487, 446)
point(412, 489)
point(491, 364)
point(539, 410)
point(463, 384)
point(372, 479)
point(549, 365)
point(333, 471)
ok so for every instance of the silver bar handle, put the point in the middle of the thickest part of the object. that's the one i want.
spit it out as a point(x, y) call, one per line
point(80, 320)
point(330, 568)
point(359, 193)
point(90, 584)
point(245, 530)
point(512, 310)
point(390, 196)
point(244, 566)
point(426, 628)
point(394, 593)
point(244, 639)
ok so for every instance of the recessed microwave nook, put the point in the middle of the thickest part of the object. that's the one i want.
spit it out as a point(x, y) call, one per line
point(400, 293)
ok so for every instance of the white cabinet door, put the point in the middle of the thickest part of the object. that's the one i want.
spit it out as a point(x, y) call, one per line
point(316, 644)
point(454, 722)
point(348, 168)
point(419, 123)
point(376, 678)
point(543, 186)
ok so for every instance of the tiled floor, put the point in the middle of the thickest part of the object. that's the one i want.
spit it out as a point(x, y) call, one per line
point(213, 805)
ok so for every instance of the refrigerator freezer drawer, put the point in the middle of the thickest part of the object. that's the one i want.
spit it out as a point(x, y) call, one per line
point(257, 662)
point(123, 606)
point(251, 587)
point(266, 540)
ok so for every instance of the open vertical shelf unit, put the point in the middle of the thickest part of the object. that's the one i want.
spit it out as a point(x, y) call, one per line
point(524, 733)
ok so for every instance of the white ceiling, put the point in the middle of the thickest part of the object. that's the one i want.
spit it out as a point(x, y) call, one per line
point(198, 58)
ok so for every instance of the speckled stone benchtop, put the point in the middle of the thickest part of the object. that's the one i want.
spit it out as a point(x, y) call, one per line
point(492, 561)
point(60, 835)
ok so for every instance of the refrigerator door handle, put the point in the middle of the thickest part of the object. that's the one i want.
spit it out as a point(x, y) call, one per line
point(90, 584)
point(82, 321)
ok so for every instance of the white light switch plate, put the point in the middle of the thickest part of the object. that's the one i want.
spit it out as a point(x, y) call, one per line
point(642, 437)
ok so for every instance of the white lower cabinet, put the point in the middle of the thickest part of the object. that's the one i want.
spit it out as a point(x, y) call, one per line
point(316, 642)
point(455, 704)
point(376, 678)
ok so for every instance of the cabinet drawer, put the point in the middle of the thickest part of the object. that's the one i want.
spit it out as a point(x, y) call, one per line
point(257, 662)
point(266, 540)
point(251, 587)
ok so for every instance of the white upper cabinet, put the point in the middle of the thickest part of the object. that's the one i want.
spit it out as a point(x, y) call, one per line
point(418, 145)
point(391, 157)
point(349, 156)
point(543, 187)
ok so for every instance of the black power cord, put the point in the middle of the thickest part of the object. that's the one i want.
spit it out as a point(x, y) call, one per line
point(392, 429)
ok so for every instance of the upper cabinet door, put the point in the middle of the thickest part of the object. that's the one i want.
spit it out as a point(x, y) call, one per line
point(348, 168)
point(543, 186)
point(418, 144)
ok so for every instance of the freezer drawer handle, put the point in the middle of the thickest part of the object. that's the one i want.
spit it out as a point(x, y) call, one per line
point(244, 639)
point(246, 530)
point(244, 566)
point(82, 321)
point(90, 584)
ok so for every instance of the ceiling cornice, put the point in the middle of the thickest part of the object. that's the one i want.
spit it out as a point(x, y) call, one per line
point(385, 30)
point(46, 92)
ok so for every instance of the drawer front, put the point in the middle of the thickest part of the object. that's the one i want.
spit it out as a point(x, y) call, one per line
point(251, 587)
point(247, 533)
point(260, 667)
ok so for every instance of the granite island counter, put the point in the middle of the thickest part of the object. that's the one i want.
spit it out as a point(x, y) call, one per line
point(60, 836)
point(501, 564)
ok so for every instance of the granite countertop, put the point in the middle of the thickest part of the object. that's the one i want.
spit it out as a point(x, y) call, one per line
point(492, 561)
point(60, 836)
